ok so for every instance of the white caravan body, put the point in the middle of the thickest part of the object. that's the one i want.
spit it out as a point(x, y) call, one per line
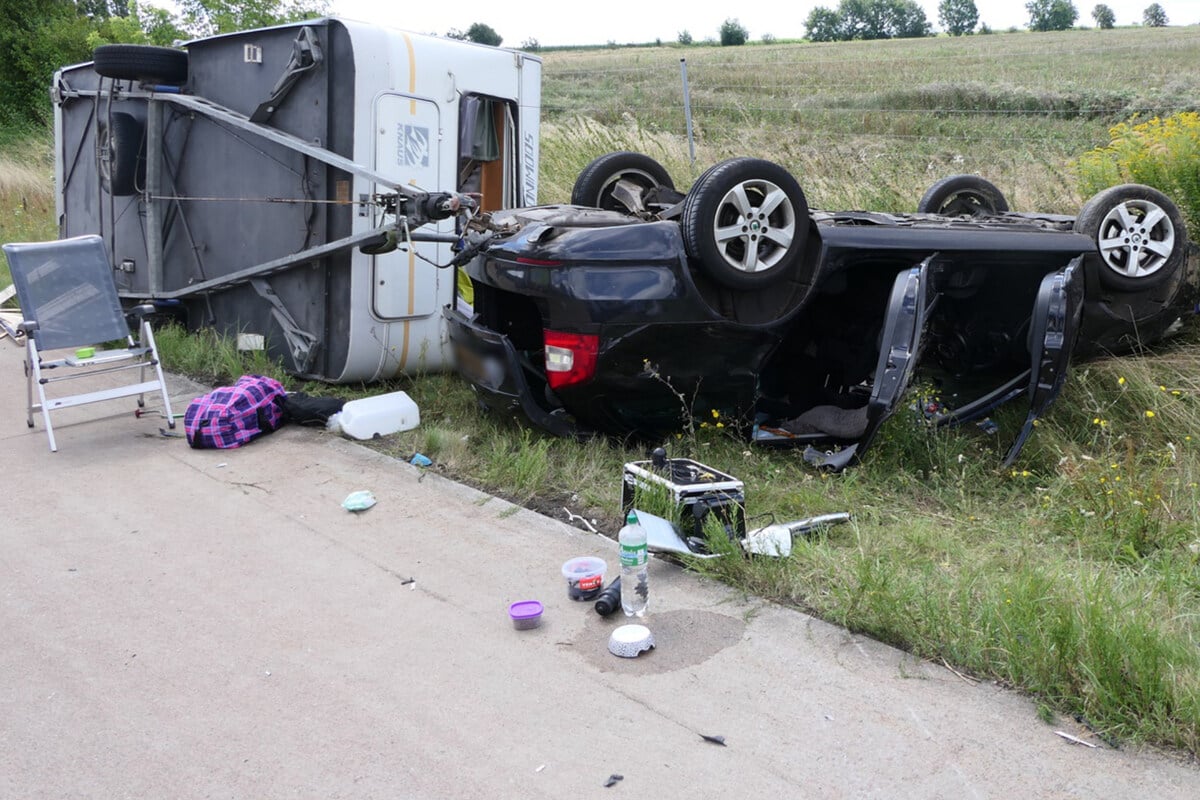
point(255, 182)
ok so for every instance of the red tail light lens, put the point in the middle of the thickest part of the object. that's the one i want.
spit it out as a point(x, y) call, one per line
point(570, 357)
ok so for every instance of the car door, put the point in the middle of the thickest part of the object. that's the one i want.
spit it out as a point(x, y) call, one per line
point(909, 305)
point(1053, 330)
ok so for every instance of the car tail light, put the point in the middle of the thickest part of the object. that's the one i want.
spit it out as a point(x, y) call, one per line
point(570, 357)
point(539, 262)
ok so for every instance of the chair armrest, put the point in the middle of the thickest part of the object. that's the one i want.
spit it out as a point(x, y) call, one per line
point(27, 326)
point(143, 309)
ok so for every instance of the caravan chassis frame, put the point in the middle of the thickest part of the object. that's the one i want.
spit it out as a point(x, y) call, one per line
point(412, 208)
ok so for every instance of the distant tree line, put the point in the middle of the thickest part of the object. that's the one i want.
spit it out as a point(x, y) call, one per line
point(1059, 15)
point(901, 19)
point(868, 20)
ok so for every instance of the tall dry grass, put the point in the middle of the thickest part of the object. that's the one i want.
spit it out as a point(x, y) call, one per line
point(872, 124)
point(26, 195)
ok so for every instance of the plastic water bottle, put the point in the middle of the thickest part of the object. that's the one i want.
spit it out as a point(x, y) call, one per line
point(635, 578)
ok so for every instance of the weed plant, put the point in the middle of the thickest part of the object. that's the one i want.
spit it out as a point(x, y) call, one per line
point(1163, 152)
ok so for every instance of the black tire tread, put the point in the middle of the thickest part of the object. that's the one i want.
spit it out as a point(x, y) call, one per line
point(139, 62)
point(127, 165)
point(596, 174)
point(933, 199)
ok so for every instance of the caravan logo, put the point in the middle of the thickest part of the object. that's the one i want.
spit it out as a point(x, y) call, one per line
point(530, 168)
point(412, 146)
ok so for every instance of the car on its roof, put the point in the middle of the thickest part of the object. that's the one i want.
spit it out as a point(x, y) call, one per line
point(637, 309)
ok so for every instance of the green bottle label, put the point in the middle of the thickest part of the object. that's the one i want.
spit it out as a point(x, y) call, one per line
point(633, 555)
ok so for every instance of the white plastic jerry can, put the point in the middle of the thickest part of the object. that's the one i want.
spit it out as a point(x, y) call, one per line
point(379, 415)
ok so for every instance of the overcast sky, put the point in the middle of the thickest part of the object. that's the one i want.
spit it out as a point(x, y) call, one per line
point(622, 21)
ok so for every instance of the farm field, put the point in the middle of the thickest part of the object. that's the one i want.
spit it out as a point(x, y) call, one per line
point(1074, 576)
point(872, 124)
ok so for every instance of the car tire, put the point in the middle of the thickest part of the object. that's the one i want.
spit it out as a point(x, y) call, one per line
point(746, 222)
point(1140, 236)
point(963, 195)
point(121, 146)
point(139, 62)
point(595, 183)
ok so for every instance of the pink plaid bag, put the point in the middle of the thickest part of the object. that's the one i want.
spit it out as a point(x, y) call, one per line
point(230, 416)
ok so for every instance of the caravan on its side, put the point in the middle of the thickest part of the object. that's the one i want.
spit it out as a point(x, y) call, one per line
point(297, 186)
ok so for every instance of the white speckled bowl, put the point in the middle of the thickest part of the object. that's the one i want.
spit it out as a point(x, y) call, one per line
point(630, 641)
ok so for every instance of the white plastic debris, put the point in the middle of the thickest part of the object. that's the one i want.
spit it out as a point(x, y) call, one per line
point(358, 501)
point(375, 416)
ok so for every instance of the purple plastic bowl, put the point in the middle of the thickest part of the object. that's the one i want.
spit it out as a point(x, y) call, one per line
point(525, 614)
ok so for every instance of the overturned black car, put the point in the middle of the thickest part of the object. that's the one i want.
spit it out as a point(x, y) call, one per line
point(637, 307)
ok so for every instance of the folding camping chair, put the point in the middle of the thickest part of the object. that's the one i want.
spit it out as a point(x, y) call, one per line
point(69, 303)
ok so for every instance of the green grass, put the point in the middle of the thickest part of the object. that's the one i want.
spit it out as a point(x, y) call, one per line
point(1075, 575)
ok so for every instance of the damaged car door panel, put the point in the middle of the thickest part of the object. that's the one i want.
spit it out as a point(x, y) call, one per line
point(805, 327)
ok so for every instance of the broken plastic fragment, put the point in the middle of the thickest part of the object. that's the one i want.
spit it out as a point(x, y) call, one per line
point(358, 501)
point(835, 461)
point(612, 780)
point(714, 739)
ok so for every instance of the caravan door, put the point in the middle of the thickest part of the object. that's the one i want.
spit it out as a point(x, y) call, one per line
point(408, 148)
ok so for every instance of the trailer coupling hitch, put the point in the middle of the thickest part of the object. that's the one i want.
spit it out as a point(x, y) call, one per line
point(413, 211)
point(443, 205)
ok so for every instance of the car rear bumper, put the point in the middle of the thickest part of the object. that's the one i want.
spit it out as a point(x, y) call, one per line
point(488, 361)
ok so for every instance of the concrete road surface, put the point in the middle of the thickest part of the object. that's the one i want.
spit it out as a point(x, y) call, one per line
point(190, 624)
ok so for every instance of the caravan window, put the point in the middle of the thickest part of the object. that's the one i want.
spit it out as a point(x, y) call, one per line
point(487, 150)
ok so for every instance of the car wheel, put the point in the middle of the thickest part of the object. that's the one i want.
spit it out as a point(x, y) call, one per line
point(139, 62)
point(746, 221)
point(122, 161)
point(595, 184)
point(963, 195)
point(1139, 235)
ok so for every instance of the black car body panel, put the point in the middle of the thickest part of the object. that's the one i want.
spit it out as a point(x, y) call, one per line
point(488, 360)
point(820, 356)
